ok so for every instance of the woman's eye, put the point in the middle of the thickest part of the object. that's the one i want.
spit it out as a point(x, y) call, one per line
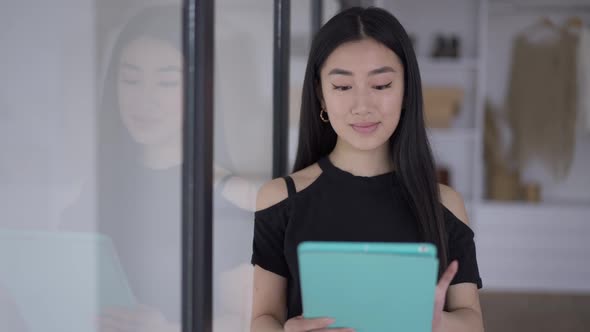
point(383, 87)
point(342, 87)
point(168, 84)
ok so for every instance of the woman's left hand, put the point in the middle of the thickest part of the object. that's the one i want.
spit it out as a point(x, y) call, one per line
point(441, 294)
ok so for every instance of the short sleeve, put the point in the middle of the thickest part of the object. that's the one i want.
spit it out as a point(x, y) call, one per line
point(462, 248)
point(269, 238)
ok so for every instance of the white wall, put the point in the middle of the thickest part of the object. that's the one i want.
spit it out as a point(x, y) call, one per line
point(47, 138)
point(47, 109)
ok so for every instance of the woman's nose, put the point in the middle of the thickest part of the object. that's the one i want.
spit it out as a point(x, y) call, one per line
point(362, 104)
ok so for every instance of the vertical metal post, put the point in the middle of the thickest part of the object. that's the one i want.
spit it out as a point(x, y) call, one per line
point(197, 167)
point(317, 14)
point(282, 12)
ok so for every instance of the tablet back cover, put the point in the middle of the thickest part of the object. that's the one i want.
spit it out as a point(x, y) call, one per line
point(371, 287)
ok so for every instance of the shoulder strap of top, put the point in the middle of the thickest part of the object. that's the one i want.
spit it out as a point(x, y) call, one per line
point(290, 186)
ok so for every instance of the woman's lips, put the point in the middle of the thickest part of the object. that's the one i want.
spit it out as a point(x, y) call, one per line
point(366, 127)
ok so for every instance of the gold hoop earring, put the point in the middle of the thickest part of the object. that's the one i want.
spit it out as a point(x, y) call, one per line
point(322, 116)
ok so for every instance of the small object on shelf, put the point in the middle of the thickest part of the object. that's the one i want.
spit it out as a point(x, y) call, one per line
point(532, 192)
point(446, 47)
point(442, 176)
point(504, 185)
point(440, 47)
point(454, 51)
point(441, 105)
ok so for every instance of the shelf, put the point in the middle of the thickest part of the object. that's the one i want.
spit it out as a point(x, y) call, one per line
point(462, 64)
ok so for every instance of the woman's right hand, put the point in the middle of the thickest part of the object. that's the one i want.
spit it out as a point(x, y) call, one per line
point(300, 324)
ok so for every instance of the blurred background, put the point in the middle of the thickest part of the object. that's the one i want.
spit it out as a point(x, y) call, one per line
point(90, 136)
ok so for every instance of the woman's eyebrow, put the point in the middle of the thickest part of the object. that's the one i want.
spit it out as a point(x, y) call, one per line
point(384, 69)
point(338, 71)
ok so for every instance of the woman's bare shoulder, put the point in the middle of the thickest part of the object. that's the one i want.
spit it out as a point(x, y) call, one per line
point(275, 191)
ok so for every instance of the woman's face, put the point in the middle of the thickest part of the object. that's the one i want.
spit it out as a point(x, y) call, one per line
point(150, 91)
point(362, 86)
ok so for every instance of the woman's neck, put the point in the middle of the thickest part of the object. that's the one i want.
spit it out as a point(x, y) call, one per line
point(362, 163)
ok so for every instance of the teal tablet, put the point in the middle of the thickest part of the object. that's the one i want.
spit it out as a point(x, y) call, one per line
point(371, 287)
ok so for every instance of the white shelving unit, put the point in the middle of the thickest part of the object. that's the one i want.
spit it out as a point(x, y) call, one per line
point(521, 246)
point(526, 246)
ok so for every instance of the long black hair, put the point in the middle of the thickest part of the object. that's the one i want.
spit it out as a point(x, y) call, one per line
point(409, 146)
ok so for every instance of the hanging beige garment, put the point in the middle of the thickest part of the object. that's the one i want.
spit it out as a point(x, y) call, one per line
point(541, 101)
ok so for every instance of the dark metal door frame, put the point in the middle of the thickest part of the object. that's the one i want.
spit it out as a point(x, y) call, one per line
point(282, 15)
point(197, 167)
point(317, 15)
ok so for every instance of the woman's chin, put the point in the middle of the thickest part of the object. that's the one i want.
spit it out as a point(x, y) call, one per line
point(367, 144)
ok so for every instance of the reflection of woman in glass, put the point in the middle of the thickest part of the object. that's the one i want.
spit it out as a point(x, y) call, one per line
point(364, 172)
point(149, 90)
point(139, 175)
point(139, 158)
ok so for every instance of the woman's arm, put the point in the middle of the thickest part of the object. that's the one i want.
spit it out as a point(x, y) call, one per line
point(238, 190)
point(464, 311)
point(462, 300)
point(269, 301)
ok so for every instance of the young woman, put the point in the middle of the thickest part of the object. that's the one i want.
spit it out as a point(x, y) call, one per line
point(364, 172)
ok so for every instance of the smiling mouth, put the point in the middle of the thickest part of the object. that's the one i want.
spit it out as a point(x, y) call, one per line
point(365, 128)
